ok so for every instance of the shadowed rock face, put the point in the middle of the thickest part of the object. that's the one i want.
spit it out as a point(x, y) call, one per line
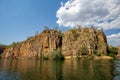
point(83, 41)
point(35, 47)
point(2, 49)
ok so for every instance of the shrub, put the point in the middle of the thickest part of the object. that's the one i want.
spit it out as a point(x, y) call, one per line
point(84, 50)
point(78, 54)
point(98, 54)
point(111, 55)
point(73, 30)
point(60, 56)
point(62, 34)
point(112, 51)
point(79, 27)
point(53, 55)
point(46, 27)
point(95, 51)
point(56, 55)
point(45, 56)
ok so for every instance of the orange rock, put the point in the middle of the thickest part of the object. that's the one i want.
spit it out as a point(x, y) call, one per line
point(36, 46)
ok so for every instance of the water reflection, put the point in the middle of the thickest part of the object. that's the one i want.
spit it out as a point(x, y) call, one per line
point(88, 70)
point(56, 70)
point(116, 70)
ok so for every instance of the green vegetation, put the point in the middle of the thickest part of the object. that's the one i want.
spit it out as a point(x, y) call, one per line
point(99, 54)
point(36, 33)
point(78, 54)
point(112, 51)
point(79, 27)
point(74, 33)
point(73, 30)
point(56, 55)
point(45, 56)
point(84, 50)
point(46, 27)
point(96, 53)
point(93, 27)
point(62, 34)
point(56, 28)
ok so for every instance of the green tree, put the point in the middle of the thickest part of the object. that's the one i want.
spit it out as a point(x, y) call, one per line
point(112, 51)
point(79, 27)
point(56, 55)
point(37, 32)
point(84, 50)
point(46, 27)
point(56, 28)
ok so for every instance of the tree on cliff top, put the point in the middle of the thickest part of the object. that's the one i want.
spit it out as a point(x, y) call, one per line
point(46, 27)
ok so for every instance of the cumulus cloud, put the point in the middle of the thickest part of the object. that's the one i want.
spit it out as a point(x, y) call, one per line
point(113, 36)
point(100, 13)
point(114, 39)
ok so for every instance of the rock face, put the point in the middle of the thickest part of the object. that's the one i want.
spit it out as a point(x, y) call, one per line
point(118, 51)
point(74, 42)
point(35, 47)
point(2, 47)
point(84, 41)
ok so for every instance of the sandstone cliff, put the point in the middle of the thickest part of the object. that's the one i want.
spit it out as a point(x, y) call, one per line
point(74, 42)
point(118, 51)
point(35, 47)
point(78, 42)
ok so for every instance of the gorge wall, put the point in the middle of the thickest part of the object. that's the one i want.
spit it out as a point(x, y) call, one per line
point(118, 51)
point(35, 47)
point(84, 41)
point(74, 42)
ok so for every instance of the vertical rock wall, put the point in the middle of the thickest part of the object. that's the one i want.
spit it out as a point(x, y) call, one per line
point(74, 42)
point(83, 42)
point(35, 47)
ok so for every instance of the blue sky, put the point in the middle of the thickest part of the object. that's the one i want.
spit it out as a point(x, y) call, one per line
point(22, 18)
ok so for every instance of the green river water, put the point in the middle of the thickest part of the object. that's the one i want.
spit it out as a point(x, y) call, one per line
point(59, 70)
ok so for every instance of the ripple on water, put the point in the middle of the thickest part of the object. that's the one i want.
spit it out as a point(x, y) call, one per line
point(117, 70)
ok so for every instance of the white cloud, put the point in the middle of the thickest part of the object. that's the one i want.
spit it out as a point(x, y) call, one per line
point(113, 36)
point(114, 39)
point(100, 13)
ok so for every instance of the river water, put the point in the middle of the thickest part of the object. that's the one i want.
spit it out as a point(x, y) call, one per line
point(59, 70)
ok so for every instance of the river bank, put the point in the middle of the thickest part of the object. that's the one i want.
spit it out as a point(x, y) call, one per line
point(89, 57)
